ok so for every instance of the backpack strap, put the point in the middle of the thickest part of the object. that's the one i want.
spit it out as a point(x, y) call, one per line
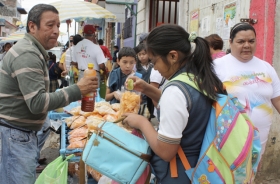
point(173, 164)
point(188, 79)
point(51, 66)
point(184, 90)
point(162, 82)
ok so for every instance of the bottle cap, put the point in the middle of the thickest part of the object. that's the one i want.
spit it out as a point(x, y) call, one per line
point(90, 65)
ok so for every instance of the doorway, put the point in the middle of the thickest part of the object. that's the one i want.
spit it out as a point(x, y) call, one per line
point(163, 12)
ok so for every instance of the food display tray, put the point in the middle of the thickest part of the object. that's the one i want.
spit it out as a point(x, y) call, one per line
point(58, 116)
point(64, 143)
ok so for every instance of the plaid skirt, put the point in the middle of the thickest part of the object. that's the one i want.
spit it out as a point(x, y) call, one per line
point(53, 85)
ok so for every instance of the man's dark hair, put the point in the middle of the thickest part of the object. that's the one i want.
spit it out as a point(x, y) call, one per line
point(116, 47)
point(126, 51)
point(100, 42)
point(35, 14)
point(77, 38)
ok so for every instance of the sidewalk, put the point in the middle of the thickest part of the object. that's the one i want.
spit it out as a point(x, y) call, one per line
point(50, 151)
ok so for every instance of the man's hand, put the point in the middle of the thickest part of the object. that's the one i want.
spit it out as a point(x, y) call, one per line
point(88, 85)
point(64, 73)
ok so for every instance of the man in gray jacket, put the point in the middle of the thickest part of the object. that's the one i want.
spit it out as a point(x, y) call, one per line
point(24, 97)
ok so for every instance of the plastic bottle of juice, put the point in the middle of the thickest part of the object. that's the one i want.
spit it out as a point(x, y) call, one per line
point(88, 99)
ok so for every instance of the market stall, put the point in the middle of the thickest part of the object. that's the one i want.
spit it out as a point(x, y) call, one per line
point(76, 125)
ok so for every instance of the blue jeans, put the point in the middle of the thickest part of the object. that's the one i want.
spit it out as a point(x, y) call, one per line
point(18, 156)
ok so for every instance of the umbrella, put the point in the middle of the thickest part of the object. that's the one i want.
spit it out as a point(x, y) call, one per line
point(19, 35)
point(81, 10)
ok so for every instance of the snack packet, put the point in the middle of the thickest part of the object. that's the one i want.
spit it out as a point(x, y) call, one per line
point(129, 103)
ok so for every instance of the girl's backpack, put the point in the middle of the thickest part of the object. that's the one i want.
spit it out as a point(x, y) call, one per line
point(231, 148)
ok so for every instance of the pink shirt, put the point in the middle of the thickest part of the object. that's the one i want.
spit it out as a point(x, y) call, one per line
point(218, 55)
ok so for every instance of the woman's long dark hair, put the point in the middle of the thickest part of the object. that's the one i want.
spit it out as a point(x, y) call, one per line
point(167, 37)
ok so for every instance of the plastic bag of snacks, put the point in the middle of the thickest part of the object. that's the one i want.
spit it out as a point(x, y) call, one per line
point(129, 102)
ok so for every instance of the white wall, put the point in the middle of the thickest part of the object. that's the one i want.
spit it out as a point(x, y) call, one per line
point(142, 18)
point(183, 13)
point(211, 10)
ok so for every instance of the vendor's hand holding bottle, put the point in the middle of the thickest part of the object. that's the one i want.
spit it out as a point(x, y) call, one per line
point(88, 85)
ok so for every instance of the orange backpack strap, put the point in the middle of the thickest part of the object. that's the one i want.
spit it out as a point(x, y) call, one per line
point(173, 168)
point(184, 159)
point(173, 164)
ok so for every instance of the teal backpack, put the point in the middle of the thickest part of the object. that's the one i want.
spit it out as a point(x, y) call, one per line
point(231, 147)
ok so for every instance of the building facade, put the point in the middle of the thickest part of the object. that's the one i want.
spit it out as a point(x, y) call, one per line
point(218, 16)
point(152, 13)
point(10, 11)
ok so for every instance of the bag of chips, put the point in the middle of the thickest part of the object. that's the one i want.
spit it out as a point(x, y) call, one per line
point(129, 103)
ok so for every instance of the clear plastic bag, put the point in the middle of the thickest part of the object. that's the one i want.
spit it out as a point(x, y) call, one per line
point(129, 102)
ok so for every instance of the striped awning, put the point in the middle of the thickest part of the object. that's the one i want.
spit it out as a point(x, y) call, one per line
point(81, 10)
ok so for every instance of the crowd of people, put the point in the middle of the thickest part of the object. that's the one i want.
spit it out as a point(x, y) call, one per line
point(29, 82)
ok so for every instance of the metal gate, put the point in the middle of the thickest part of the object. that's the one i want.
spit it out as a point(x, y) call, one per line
point(163, 12)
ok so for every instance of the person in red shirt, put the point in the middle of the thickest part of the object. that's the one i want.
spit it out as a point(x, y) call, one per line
point(107, 54)
point(105, 50)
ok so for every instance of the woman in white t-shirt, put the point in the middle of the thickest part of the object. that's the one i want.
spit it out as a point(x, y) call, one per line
point(253, 81)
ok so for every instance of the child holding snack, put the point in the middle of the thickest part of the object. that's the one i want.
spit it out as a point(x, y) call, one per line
point(126, 60)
